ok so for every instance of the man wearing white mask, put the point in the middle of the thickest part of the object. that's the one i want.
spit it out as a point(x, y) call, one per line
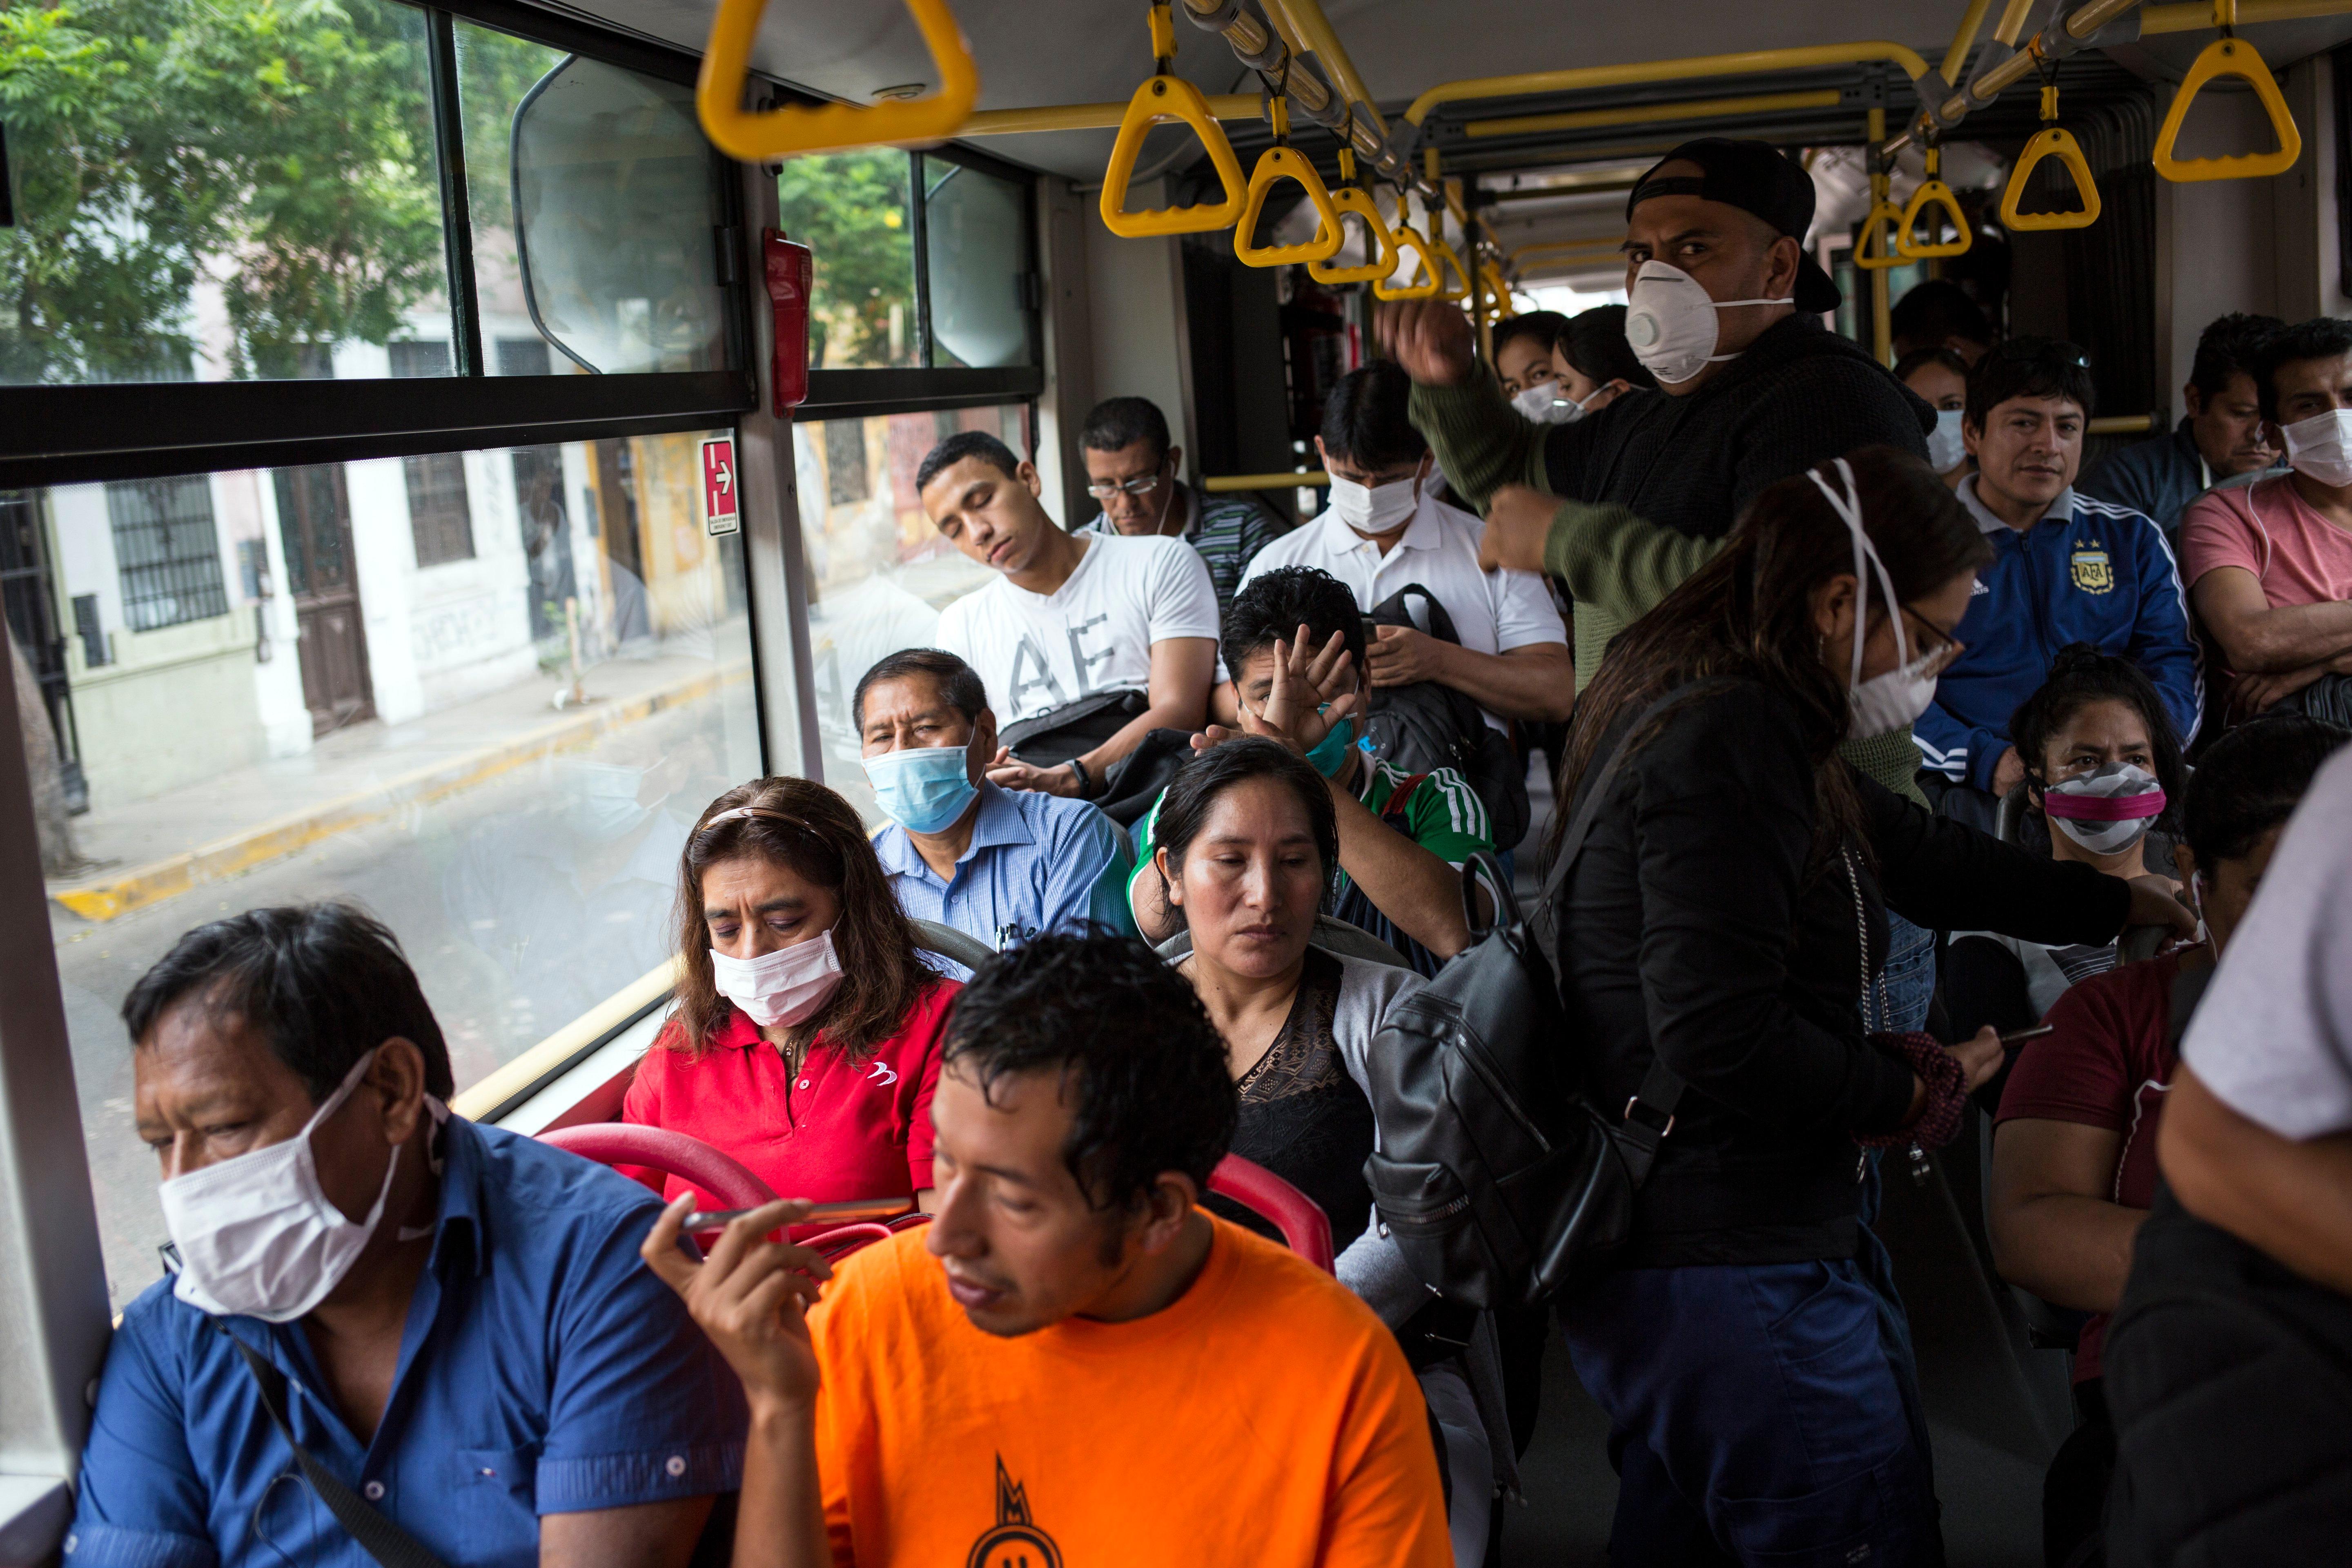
point(1383, 531)
point(2270, 566)
point(1001, 865)
point(387, 1324)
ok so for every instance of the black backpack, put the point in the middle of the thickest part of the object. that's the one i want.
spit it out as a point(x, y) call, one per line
point(1497, 1176)
point(1424, 726)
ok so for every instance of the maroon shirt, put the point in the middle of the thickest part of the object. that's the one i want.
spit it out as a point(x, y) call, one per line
point(2109, 1064)
point(838, 1130)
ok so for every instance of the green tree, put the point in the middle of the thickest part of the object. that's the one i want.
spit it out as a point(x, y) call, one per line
point(851, 209)
point(280, 148)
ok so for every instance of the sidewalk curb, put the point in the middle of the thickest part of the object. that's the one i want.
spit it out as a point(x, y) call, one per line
point(112, 896)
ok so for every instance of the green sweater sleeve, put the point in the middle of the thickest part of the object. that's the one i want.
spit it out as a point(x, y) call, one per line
point(1481, 442)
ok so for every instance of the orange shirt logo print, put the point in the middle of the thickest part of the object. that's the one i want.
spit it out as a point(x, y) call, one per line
point(1012, 1542)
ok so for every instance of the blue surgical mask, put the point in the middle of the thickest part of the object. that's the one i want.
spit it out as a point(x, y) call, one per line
point(924, 788)
point(1945, 450)
point(1330, 754)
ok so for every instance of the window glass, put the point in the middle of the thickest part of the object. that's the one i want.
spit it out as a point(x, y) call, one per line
point(157, 235)
point(879, 572)
point(297, 684)
point(976, 239)
point(850, 208)
point(594, 200)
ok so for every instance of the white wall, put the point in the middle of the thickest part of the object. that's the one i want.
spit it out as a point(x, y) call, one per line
point(1135, 315)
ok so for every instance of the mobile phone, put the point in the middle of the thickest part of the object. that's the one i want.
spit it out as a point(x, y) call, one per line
point(848, 1211)
point(2017, 1036)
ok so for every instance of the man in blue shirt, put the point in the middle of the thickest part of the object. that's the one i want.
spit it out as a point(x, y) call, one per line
point(1000, 865)
point(2066, 569)
point(2223, 438)
point(451, 1321)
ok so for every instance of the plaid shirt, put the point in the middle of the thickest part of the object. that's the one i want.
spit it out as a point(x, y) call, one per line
point(1225, 531)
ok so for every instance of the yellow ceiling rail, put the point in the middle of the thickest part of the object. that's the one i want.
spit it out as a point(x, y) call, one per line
point(1690, 68)
point(1564, 247)
point(1314, 30)
point(1096, 116)
point(1874, 251)
point(2014, 17)
point(1351, 198)
point(1932, 189)
point(1162, 99)
point(794, 130)
point(1226, 484)
point(1964, 38)
point(2051, 141)
point(2228, 56)
point(2195, 16)
point(1649, 113)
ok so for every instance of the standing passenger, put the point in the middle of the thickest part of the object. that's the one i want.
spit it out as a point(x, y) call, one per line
point(1523, 360)
point(1940, 314)
point(1596, 364)
point(1131, 472)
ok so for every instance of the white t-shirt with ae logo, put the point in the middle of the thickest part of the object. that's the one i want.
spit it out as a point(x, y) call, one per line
point(1037, 652)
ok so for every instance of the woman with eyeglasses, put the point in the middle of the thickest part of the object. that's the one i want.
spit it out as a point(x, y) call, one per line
point(807, 1033)
point(1714, 943)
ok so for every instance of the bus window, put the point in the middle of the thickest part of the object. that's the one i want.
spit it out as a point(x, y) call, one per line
point(852, 209)
point(483, 694)
point(976, 240)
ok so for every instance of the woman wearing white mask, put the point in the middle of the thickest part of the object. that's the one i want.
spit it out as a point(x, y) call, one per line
point(806, 1037)
point(1940, 377)
point(1714, 942)
point(2102, 768)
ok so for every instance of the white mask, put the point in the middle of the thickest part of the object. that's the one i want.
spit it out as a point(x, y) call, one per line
point(1670, 321)
point(1374, 509)
point(2321, 447)
point(2107, 810)
point(781, 987)
point(1892, 701)
point(1945, 451)
point(257, 1236)
point(1542, 404)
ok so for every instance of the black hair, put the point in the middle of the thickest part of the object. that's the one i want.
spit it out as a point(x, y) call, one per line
point(1544, 326)
point(1184, 809)
point(961, 445)
point(1364, 419)
point(2231, 346)
point(961, 687)
point(324, 983)
point(1128, 1034)
point(2030, 367)
point(1931, 313)
point(2321, 337)
point(1277, 603)
point(2080, 676)
point(1595, 344)
point(2249, 781)
point(1118, 422)
point(1948, 358)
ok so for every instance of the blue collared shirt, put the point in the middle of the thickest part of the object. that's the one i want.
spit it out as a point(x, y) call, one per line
point(545, 1369)
point(1036, 863)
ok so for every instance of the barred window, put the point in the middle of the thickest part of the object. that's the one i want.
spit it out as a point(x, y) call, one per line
point(438, 508)
point(166, 553)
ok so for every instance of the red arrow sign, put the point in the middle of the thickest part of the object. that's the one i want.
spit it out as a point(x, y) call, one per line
point(718, 504)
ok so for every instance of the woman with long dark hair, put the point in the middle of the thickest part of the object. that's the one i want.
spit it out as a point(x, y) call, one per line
point(806, 1036)
point(1727, 916)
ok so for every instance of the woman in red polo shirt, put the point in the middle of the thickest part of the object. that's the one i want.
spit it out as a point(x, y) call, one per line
point(805, 1041)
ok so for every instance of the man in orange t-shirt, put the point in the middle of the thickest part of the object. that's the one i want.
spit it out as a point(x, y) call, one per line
point(1087, 1369)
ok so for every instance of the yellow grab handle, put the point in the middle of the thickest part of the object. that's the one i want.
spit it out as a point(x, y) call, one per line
point(2056, 143)
point(1874, 251)
point(1451, 260)
point(1280, 162)
point(1349, 199)
point(1167, 97)
point(1409, 238)
point(2229, 56)
point(792, 131)
point(1498, 292)
point(1931, 190)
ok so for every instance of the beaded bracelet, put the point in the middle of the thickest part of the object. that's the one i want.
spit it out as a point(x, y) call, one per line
point(1948, 1091)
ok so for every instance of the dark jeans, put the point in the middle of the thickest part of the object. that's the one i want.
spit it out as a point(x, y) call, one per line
point(1759, 1418)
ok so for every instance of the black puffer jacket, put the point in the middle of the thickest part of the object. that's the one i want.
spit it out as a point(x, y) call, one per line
point(1694, 928)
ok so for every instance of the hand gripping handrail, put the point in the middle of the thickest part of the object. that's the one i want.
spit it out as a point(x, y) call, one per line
point(1158, 99)
point(1932, 189)
point(1278, 163)
point(2226, 56)
point(792, 130)
point(2050, 141)
point(1351, 198)
point(1409, 239)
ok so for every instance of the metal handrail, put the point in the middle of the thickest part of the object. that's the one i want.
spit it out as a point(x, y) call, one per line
point(1685, 68)
point(1649, 113)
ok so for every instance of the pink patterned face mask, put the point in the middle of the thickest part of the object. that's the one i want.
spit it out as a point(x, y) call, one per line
point(2105, 811)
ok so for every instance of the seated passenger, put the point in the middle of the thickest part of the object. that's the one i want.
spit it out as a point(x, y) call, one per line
point(1940, 314)
point(2270, 566)
point(2074, 1154)
point(2065, 569)
point(1940, 377)
point(2105, 769)
point(1596, 365)
point(2223, 437)
point(1087, 1367)
point(451, 1320)
point(1403, 839)
point(1089, 642)
point(1298, 1023)
point(1523, 360)
point(1131, 472)
point(805, 1041)
point(1381, 532)
point(995, 864)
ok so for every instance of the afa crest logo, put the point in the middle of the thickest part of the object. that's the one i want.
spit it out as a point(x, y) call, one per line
point(1014, 1541)
point(2095, 572)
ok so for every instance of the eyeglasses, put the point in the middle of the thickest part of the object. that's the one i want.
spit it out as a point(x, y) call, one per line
point(1946, 647)
point(1103, 489)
